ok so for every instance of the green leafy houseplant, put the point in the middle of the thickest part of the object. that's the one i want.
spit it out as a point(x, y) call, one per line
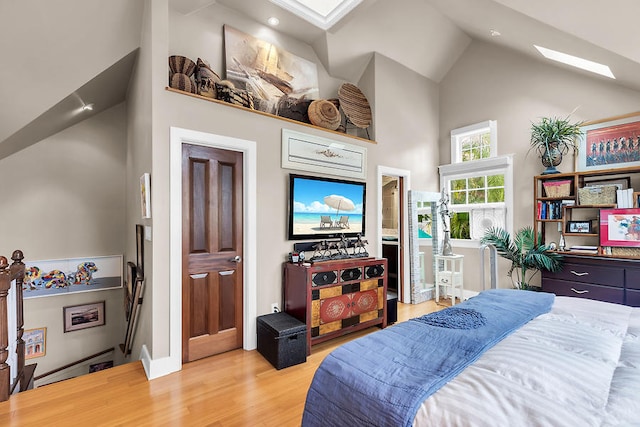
point(527, 258)
point(552, 138)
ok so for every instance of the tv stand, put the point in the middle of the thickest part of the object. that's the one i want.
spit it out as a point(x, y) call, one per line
point(334, 298)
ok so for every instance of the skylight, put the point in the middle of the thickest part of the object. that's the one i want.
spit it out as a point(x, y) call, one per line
point(321, 13)
point(575, 61)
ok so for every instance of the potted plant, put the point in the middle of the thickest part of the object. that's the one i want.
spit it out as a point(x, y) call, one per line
point(552, 138)
point(527, 258)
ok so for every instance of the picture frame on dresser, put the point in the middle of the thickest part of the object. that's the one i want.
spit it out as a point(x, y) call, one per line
point(620, 227)
point(604, 144)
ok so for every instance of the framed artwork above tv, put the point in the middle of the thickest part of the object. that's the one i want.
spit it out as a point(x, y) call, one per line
point(323, 208)
point(315, 154)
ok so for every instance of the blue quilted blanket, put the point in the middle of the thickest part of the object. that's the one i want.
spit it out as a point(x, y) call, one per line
point(382, 378)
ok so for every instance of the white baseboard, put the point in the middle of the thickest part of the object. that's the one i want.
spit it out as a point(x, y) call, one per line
point(156, 368)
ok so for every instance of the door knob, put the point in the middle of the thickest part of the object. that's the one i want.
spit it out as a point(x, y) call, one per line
point(236, 259)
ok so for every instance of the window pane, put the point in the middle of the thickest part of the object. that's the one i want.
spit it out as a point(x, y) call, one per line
point(476, 196)
point(460, 228)
point(458, 184)
point(458, 197)
point(495, 180)
point(476, 182)
point(495, 195)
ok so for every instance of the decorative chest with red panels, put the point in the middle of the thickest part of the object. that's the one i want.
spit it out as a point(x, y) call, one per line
point(334, 298)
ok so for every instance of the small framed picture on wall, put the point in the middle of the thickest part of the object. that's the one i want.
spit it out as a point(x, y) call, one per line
point(145, 195)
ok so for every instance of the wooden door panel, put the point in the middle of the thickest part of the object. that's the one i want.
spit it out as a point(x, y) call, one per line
point(227, 308)
point(212, 238)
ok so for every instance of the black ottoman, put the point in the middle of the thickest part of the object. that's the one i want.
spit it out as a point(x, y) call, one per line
point(282, 339)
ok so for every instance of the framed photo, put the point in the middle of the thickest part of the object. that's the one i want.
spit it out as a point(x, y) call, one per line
point(101, 366)
point(84, 316)
point(620, 227)
point(579, 227)
point(145, 195)
point(35, 342)
point(316, 154)
point(620, 183)
point(610, 143)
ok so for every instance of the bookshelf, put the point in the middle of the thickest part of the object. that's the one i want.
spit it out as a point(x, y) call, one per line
point(567, 208)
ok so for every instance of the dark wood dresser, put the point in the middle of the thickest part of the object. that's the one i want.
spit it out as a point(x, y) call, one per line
point(334, 298)
point(599, 278)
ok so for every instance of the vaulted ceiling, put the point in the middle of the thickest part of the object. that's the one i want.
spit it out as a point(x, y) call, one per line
point(42, 43)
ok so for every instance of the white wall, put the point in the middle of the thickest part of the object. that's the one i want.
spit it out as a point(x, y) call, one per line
point(139, 128)
point(489, 82)
point(63, 198)
point(201, 36)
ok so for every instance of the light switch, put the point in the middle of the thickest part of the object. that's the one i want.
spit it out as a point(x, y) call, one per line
point(147, 232)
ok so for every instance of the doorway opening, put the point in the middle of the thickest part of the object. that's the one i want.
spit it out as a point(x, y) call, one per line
point(391, 231)
point(393, 185)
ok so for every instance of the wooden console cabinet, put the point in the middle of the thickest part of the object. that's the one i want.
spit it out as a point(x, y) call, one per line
point(334, 298)
point(599, 278)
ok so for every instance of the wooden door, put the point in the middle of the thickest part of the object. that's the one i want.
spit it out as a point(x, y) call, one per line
point(212, 282)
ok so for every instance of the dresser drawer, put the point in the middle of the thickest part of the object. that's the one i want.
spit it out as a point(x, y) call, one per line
point(633, 278)
point(633, 298)
point(584, 290)
point(586, 273)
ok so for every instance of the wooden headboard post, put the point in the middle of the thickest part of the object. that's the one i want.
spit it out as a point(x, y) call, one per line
point(9, 273)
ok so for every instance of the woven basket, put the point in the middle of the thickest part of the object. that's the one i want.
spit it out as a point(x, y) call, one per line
point(557, 188)
point(601, 195)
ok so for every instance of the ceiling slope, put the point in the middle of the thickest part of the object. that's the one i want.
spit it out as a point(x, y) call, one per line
point(52, 48)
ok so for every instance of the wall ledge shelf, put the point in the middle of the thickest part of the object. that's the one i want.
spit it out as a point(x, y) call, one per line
point(217, 101)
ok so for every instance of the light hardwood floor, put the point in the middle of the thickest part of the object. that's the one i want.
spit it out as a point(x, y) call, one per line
point(238, 388)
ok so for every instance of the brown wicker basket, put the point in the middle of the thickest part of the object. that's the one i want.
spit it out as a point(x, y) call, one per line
point(600, 195)
point(557, 188)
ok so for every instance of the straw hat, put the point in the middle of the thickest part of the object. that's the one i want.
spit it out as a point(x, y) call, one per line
point(355, 105)
point(324, 114)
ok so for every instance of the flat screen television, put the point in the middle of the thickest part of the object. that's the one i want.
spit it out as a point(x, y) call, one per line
point(322, 208)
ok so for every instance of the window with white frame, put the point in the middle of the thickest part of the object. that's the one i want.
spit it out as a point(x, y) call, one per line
point(474, 142)
point(479, 183)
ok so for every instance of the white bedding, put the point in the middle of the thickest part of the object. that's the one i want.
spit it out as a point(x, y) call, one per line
point(578, 365)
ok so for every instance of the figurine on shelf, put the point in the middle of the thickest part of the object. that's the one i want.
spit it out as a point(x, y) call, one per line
point(359, 249)
point(447, 250)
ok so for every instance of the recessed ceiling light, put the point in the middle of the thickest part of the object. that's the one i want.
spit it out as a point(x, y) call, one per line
point(273, 21)
point(576, 61)
point(321, 13)
point(494, 33)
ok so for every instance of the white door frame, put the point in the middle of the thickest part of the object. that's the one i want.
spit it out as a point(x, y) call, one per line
point(178, 137)
point(406, 178)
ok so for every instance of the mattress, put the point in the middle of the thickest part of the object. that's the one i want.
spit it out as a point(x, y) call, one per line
point(578, 365)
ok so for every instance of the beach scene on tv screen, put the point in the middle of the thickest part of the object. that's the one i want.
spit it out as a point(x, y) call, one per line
point(324, 207)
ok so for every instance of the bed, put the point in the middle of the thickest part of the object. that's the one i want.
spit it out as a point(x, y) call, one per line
point(575, 362)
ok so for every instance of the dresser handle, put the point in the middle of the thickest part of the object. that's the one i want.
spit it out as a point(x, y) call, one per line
point(198, 276)
point(579, 292)
point(579, 274)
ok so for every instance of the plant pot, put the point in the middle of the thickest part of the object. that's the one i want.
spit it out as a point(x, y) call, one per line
point(551, 158)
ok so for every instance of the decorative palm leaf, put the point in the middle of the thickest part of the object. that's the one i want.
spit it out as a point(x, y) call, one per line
point(524, 254)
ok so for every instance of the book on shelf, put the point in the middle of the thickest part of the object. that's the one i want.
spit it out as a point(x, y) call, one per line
point(624, 198)
point(584, 249)
point(621, 199)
